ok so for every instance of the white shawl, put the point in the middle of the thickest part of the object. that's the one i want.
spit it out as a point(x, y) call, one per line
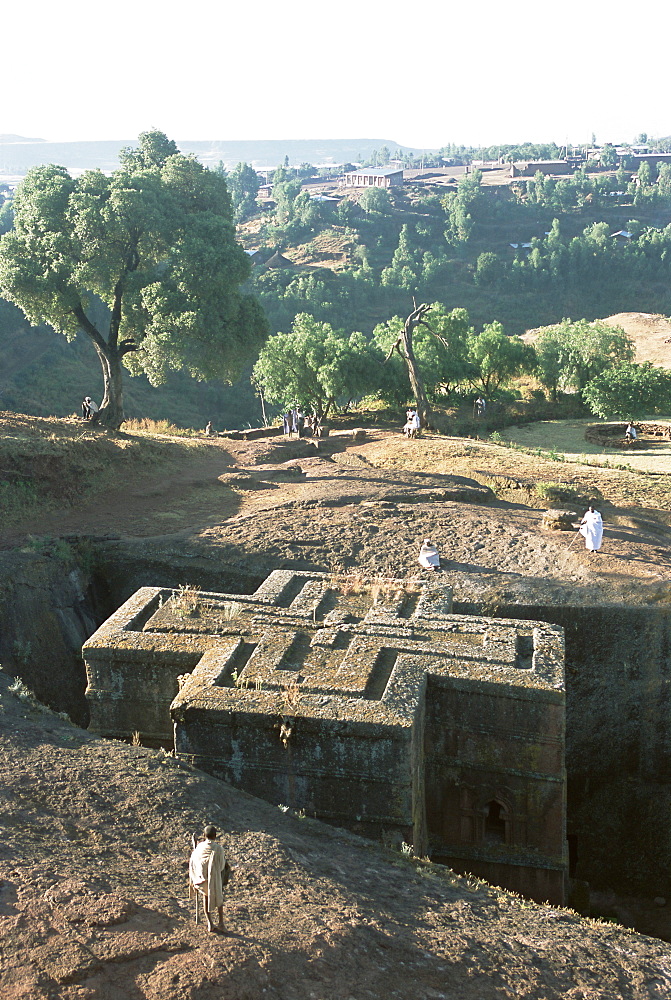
point(592, 530)
point(206, 866)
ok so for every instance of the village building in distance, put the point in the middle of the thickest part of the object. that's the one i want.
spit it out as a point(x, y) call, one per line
point(383, 177)
point(366, 704)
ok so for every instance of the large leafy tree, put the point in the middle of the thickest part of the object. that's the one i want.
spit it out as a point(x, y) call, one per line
point(629, 391)
point(155, 243)
point(316, 366)
point(570, 354)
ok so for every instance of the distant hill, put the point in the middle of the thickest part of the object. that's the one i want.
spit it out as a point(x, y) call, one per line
point(18, 155)
point(10, 137)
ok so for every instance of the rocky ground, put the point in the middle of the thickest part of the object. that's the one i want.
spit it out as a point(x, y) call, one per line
point(93, 906)
point(365, 506)
point(95, 833)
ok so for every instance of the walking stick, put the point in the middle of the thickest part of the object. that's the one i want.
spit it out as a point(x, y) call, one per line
point(574, 539)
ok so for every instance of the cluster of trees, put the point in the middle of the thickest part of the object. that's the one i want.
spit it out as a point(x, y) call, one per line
point(435, 357)
point(146, 265)
point(650, 185)
point(323, 368)
point(594, 259)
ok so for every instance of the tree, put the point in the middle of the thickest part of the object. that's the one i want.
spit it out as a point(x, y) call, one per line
point(441, 349)
point(570, 354)
point(403, 270)
point(155, 243)
point(496, 358)
point(461, 205)
point(629, 391)
point(430, 342)
point(375, 199)
point(402, 344)
point(6, 215)
point(243, 187)
point(489, 268)
point(285, 191)
point(316, 366)
point(664, 179)
point(608, 156)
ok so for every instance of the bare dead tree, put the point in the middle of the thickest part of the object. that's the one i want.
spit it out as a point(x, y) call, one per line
point(403, 345)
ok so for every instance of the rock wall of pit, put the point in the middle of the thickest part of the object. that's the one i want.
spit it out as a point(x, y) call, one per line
point(618, 742)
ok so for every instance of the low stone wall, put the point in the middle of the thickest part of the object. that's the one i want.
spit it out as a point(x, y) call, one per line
point(612, 435)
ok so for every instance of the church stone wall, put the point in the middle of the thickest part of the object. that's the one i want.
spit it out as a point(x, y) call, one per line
point(495, 783)
point(618, 742)
point(364, 703)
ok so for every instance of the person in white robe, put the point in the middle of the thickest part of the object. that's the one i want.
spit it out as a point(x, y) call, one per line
point(428, 555)
point(206, 869)
point(591, 528)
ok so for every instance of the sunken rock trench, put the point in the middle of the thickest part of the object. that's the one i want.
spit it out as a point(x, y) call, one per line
point(618, 684)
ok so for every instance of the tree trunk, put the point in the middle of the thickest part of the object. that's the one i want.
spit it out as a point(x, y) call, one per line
point(416, 381)
point(111, 413)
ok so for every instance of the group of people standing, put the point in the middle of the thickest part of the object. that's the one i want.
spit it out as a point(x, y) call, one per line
point(296, 422)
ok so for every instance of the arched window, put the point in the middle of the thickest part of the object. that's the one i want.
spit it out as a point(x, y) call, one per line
point(496, 823)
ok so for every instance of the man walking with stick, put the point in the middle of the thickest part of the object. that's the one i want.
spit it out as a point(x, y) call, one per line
point(207, 873)
point(591, 528)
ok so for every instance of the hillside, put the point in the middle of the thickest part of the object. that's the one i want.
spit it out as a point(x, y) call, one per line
point(95, 842)
point(651, 335)
point(95, 833)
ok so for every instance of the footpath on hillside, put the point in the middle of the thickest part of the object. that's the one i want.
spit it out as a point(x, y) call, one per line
point(365, 506)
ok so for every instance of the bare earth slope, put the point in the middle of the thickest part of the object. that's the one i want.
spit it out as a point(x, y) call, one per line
point(93, 904)
point(650, 332)
point(94, 836)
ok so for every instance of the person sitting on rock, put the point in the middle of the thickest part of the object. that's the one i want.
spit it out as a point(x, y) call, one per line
point(428, 556)
point(630, 433)
point(412, 424)
point(206, 873)
point(88, 408)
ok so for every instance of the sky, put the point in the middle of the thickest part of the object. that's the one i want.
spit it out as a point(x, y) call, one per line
point(477, 74)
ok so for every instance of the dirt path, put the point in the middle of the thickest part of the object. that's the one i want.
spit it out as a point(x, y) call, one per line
point(366, 506)
point(142, 504)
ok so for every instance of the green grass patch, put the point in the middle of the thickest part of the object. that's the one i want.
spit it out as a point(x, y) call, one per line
point(564, 441)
